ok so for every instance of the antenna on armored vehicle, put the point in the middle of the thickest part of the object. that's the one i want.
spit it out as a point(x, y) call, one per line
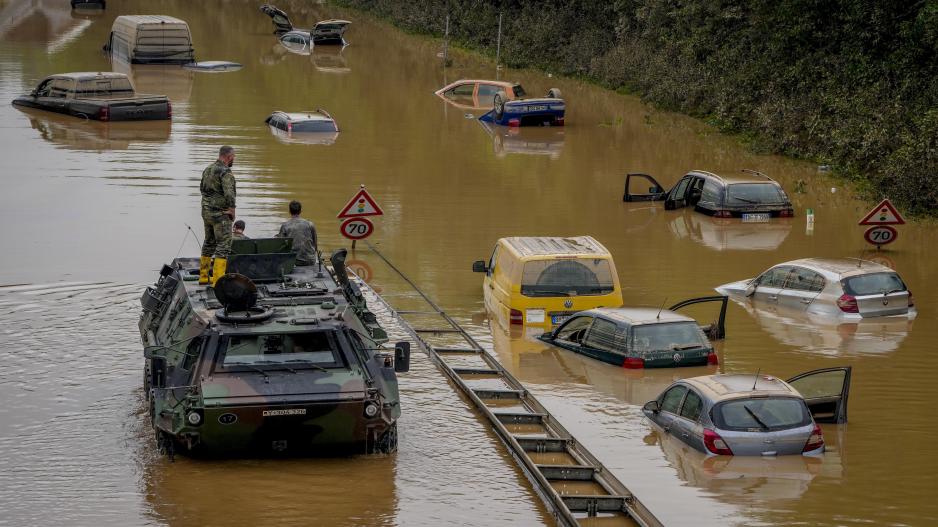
point(658, 316)
point(756, 380)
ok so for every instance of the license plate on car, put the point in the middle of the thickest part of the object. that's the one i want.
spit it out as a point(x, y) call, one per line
point(756, 217)
point(540, 108)
point(558, 319)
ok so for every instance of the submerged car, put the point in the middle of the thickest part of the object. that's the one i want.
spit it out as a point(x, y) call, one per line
point(472, 94)
point(754, 197)
point(752, 415)
point(311, 128)
point(545, 111)
point(274, 359)
point(101, 96)
point(324, 32)
point(636, 337)
point(846, 289)
point(543, 280)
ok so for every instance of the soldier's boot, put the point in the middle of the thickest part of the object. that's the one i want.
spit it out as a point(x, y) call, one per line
point(205, 263)
point(220, 265)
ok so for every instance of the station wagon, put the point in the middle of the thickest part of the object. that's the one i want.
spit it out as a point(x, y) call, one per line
point(478, 94)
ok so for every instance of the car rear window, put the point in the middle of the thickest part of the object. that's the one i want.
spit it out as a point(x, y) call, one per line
point(873, 284)
point(772, 413)
point(562, 277)
point(671, 336)
point(519, 91)
point(101, 87)
point(754, 193)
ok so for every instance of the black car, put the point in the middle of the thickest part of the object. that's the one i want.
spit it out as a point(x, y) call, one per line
point(753, 197)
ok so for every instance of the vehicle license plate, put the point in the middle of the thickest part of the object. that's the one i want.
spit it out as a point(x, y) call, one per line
point(539, 108)
point(558, 319)
point(758, 217)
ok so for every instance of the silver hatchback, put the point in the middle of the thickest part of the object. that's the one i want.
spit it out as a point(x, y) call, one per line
point(752, 415)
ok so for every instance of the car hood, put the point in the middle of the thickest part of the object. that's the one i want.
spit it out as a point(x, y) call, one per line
point(734, 288)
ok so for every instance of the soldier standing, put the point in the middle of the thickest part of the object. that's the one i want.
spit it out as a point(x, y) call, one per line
point(303, 233)
point(218, 211)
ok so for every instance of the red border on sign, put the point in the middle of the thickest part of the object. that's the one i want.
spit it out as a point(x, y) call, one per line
point(867, 220)
point(371, 228)
point(866, 235)
point(362, 194)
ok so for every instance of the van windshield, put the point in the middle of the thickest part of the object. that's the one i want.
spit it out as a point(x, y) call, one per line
point(873, 284)
point(672, 336)
point(754, 193)
point(316, 349)
point(567, 276)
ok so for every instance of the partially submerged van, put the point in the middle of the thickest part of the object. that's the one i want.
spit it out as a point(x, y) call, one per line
point(541, 281)
point(150, 39)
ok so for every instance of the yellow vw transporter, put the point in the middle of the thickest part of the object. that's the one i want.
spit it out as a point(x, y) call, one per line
point(541, 281)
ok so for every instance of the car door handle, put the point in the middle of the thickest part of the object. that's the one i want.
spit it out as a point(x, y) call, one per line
point(805, 300)
point(773, 297)
point(685, 434)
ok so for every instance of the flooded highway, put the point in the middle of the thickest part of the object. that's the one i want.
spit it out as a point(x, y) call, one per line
point(92, 210)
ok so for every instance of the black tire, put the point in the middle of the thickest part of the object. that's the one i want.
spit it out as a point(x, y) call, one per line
point(499, 104)
point(553, 93)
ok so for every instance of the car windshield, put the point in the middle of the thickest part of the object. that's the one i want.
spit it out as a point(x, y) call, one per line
point(519, 91)
point(766, 413)
point(301, 350)
point(672, 336)
point(567, 276)
point(750, 193)
point(873, 284)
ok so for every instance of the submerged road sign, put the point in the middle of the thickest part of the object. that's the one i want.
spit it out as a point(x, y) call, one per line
point(361, 204)
point(357, 228)
point(883, 214)
point(880, 235)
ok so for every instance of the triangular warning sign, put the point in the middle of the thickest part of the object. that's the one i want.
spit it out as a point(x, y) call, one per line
point(362, 204)
point(883, 214)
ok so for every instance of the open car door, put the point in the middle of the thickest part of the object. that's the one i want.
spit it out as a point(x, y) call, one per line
point(655, 191)
point(825, 391)
point(279, 17)
point(715, 330)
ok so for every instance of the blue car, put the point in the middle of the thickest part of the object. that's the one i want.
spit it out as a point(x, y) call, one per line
point(545, 111)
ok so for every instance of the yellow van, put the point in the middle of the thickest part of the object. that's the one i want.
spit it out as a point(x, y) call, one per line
point(541, 281)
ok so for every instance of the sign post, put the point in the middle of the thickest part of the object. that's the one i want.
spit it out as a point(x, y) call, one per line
point(881, 219)
point(356, 225)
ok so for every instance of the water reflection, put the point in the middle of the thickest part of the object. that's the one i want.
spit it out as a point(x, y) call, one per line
point(70, 133)
point(728, 234)
point(330, 59)
point(546, 141)
point(50, 23)
point(170, 80)
point(826, 335)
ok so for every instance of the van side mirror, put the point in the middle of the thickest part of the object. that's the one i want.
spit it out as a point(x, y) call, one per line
point(478, 266)
point(652, 406)
point(402, 357)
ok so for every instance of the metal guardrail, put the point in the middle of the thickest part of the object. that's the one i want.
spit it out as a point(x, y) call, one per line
point(570, 480)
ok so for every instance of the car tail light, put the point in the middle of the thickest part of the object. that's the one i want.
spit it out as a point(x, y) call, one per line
point(787, 213)
point(289, 127)
point(514, 122)
point(104, 114)
point(816, 440)
point(558, 122)
point(169, 109)
point(715, 444)
point(722, 214)
point(712, 358)
point(634, 363)
point(911, 300)
point(516, 317)
point(848, 304)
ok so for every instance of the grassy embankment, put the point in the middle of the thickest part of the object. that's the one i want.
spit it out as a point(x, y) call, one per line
point(849, 83)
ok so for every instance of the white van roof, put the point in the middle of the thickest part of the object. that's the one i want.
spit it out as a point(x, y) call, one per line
point(555, 246)
point(139, 20)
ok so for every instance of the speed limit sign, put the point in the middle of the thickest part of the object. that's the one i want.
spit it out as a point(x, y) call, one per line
point(357, 228)
point(880, 235)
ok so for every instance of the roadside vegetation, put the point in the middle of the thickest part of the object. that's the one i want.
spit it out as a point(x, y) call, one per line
point(848, 83)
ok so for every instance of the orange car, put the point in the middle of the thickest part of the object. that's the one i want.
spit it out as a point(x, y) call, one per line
point(478, 94)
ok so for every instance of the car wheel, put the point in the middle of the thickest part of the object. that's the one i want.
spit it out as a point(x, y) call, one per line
point(500, 104)
point(553, 93)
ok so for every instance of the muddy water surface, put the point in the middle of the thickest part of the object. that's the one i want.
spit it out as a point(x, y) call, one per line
point(91, 210)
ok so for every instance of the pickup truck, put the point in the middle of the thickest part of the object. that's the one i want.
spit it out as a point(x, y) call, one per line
point(102, 96)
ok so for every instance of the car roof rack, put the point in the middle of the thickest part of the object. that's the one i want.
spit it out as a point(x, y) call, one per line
point(757, 173)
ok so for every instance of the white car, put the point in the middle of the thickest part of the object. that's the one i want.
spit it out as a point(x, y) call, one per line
point(847, 289)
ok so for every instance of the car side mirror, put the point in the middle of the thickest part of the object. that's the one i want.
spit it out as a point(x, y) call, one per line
point(751, 288)
point(402, 357)
point(652, 406)
point(478, 266)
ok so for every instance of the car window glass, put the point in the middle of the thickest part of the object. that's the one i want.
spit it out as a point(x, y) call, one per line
point(711, 192)
point(775, 277)
point(672, 399)
point(43, 89)
point(672, 336)
point(314, 349)
point(777, 413)
point(692, 405)
point(487, 91)
point(601, 335)
point(801, 279)
point(574, 329)
point(823, 384)
point(680, 189)
point(562, 276)
point(754, 193)
point(519, 91)
point(873, 284)
point(59, 88)
point(493, 260)
point(464, 90)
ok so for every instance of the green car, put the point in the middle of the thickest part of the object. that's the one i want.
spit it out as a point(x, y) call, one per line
point(641, 337)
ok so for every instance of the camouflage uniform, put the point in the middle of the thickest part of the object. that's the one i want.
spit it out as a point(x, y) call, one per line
point(239, 236)
point(303, 233)
point(218, 194)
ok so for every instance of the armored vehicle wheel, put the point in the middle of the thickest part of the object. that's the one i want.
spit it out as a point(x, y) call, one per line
point(387, 443)
point(500, 104)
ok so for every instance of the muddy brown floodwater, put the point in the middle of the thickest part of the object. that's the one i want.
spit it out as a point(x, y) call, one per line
point(91, 210)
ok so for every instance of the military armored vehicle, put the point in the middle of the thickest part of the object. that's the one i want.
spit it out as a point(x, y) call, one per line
point(276, 359)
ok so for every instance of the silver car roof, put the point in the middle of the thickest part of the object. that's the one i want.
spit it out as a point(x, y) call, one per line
point(840, 267)
point(734, 386)
point(639, 315)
